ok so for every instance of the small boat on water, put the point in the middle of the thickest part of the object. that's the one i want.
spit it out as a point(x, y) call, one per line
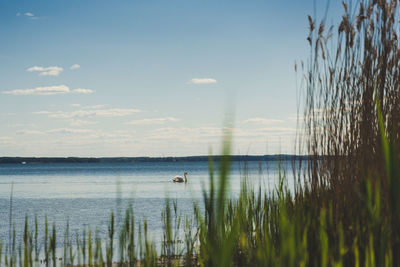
point(23, 163)
point(180, 179)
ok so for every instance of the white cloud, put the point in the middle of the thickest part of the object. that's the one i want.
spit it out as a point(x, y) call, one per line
point(75, 67)
point(202, 81)
point(152, 121)
point(29, 132)
point(55, 131)
point(29, 15)
point(48, 90)
point(211, 134)
point(89, 107)
point(77, 122)
point(71, 131)
point(78, 137)
point(46, 71)
point(21, 125)
point(187, 134)
point(83, 91)
point(5, 140)
point(43, 112)
point(169, 140)
point(113, 112)
point(95, 106)
point(278, 131)
point(259, 120)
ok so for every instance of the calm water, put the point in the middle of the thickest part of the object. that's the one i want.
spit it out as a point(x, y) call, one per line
point(84, 194)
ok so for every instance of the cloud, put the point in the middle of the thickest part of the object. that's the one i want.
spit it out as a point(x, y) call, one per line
point(77, 122)
point(5, 140)
point(89, 107)
point(43, 112)
point(75, 67)
point(29, 132)
point(279, 131)
point(187, 134)
point(83, 91)
point(48, 90)
point(29, 15)
point(113, 112)
point(95, 106)
point(46, 71)
point(202, 81)
point(71, 131)
point(22, 125)
point(259, 120)
point(55, 131)
point(212, 134)
point(152, 121)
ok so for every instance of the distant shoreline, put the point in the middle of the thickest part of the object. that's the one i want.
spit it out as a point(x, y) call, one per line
point(49, 160)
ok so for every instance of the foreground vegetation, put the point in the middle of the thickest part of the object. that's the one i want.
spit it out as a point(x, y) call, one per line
point(345, 207)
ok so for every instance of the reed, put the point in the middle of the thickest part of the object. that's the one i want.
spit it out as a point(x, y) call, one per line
point(352, 109)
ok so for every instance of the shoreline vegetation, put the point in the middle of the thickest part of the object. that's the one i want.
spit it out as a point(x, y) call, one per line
point(345, 206)
point(241, 158)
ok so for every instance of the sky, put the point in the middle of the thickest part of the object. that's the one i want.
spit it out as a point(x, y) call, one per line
point(96, 78)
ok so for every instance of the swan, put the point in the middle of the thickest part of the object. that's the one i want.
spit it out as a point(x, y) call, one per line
point(180, 179)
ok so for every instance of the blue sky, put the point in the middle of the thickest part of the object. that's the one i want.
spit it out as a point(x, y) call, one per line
point(149, 78)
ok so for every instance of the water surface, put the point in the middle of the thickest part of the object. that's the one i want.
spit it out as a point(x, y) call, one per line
point(85, 193)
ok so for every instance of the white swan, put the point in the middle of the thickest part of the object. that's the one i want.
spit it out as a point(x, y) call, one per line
point(180, 179)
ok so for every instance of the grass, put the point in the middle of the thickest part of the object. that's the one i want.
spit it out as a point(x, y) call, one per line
point(345, 207)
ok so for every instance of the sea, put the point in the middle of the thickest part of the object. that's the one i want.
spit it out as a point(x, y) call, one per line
point(85, 194)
